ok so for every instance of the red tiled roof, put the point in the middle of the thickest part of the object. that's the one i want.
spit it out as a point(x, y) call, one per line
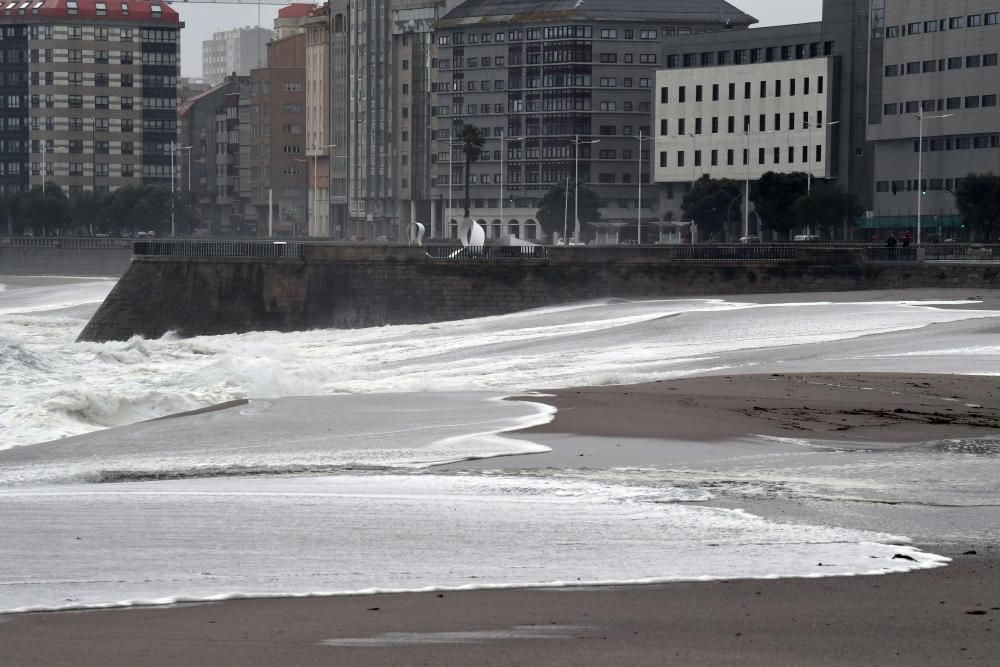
point(295, 10)
point(112, 10)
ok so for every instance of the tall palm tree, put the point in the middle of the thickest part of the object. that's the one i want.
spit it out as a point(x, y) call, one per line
point(472, 145)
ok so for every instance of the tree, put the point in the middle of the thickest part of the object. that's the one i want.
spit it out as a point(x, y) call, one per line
point(472, 145)
point(773, 196)
point(712, 202)
point(552, 214)
point(977, 198)
point(89, 210)
point(141, 208)
point(828, 206)
point(44, 210)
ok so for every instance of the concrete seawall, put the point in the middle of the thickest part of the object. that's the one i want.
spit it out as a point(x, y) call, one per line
point(361, 286)
point(64, 257)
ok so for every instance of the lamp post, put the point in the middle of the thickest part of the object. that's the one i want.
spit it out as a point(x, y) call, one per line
point(638, 204)
point(503, 149)
point(809, 153)
point(576, 183)
point(173, 151)
point(920, 165)
point(746, 188)
point(451, 177)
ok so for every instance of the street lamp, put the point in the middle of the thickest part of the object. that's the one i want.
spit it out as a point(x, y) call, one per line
point(638, 212)
point(746, 193)
point(173, 152)
point(451, 176)
point(809, 153)
point(503, 149)
point(920, 165)
point(576, 184)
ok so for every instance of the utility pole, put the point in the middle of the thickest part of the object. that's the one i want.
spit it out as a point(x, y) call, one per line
point(920, 165)
point(173, 228)
point(576, 184)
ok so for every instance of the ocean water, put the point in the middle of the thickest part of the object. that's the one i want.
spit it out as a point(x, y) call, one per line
point(326, 479)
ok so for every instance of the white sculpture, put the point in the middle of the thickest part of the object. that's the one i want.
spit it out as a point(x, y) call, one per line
point(471, 233)
point(415, 233)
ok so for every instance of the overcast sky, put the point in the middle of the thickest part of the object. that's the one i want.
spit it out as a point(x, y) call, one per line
point(202, 20)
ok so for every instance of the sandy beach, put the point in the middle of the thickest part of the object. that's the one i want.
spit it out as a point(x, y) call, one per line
point(934, 617)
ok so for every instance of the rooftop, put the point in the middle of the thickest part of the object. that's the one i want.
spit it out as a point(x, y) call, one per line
point(687, 11)
point(295, 10)
point(97, 10)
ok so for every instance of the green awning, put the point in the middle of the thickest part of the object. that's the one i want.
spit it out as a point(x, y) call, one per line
point(909, 221)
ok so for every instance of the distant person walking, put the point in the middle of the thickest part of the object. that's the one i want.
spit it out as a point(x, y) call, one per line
point(891, 241)
point(907, 238)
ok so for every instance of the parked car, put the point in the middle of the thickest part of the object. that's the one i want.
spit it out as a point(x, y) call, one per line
point(749, 239)
point(806, 238)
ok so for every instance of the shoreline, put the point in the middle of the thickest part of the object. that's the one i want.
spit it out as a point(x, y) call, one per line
point(940, 615)
point(937, 616)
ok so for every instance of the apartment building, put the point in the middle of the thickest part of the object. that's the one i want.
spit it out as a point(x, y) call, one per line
point(234, 52)
point(88, 93)
point(319, 146)
point(544, 89)
point(380, 114)
point(291, 19)
point(276, 176)
point(209, 155)
point(933, 117)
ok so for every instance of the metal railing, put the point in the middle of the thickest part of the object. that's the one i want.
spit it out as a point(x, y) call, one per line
point(961, 251)
point(734, 253)
point(890, 254)
point(488, 253)
point(67, 242)
point(269, 249)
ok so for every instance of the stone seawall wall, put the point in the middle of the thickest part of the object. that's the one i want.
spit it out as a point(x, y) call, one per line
point(348, 287)
point(58, 261)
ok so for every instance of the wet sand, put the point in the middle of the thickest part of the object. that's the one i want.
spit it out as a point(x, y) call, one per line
point(947, 616)
point(943, 616)
point(857, 407)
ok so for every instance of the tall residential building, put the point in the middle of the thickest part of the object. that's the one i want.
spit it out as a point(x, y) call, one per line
point(380, 114)
point(319, 146)
point(89, 93)
point(544, 87)
point(276, 172)
point(209, 155)
point(234, 51)
point(935, 74)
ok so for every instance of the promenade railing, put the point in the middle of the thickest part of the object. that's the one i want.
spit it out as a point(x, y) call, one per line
point(69, 243)
point(488, 253)
point(269, 249)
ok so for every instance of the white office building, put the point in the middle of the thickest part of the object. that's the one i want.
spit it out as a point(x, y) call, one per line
point(742, 121)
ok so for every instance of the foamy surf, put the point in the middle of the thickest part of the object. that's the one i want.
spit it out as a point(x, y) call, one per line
point(204, 540)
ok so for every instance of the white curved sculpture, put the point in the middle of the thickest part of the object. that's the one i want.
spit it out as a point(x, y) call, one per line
point(415, 233)
point(471, 233)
